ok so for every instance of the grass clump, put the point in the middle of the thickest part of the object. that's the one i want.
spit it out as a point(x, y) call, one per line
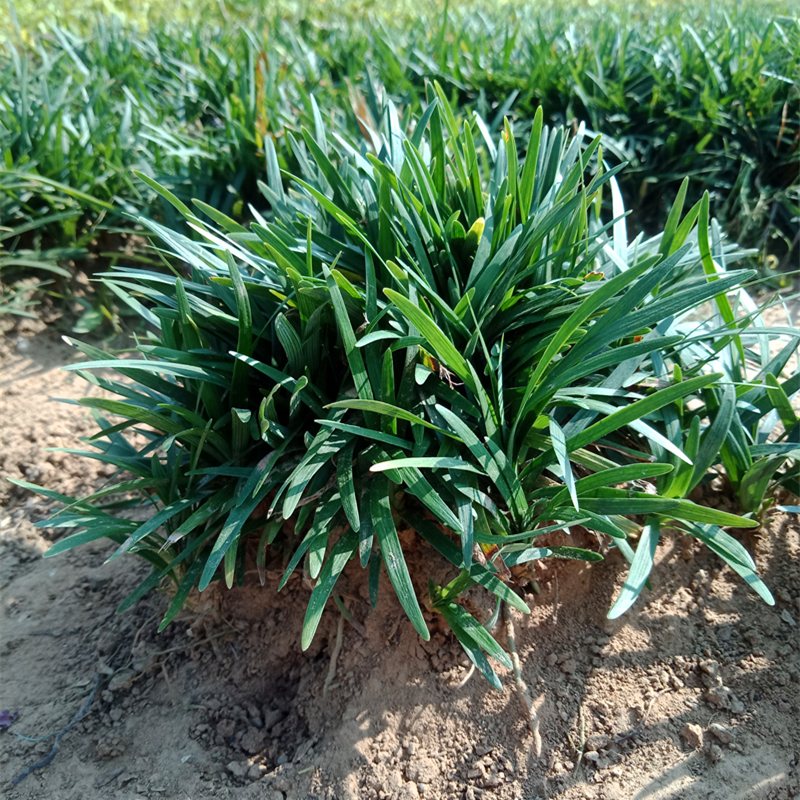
point(425, 331)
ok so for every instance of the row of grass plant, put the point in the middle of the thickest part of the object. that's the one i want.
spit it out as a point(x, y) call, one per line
point(677, 92)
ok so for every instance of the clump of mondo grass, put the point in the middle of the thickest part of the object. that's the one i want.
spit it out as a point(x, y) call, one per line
point(425, 332)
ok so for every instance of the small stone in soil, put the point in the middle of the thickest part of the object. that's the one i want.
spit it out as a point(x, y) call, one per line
point(721, 732)
point(237, 769)
point(422, 770)
point(121, 680)
point(720, 696)
point(407, 791)
point(253, 741)
point(710, 667)
point(692, 735)
point(272, 716)
point(715, 752)
point(598, 741)
point(256, 771)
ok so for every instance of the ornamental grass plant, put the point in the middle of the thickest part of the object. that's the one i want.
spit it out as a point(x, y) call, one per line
point(426, 330)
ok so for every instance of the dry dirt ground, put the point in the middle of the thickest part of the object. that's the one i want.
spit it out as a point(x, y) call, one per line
point(695, 693)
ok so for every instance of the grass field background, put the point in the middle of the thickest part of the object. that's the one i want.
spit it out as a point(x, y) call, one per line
point(187, 92)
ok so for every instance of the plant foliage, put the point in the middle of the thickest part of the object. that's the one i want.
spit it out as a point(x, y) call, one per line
point(427, 332)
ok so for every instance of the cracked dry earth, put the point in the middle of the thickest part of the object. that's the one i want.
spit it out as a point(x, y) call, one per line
point(693, 694)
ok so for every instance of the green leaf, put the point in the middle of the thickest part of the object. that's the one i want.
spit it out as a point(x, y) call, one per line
point(166, 194)
point(478, 450)
point(444, 348)
point(367, 433)
point(158, 574)
point(710, 516)
point(241, 370)
point(221, 219)
point(606, 477)
point(386, 533)
point(386, 409)
point(431, 462)
point(34, 178)
point(324, 522)
point(155, 367)
point(344, 477)
point(109, 531)
point(471, 647)
point(597, 522)
point(560, 448)
point(634, 411)
point(418, 486)
point(154, 523)
point(781, 402)
point(723, 304)
point(627, 503)
point(640, 569)
point(340, 556)
point(712, 440)
point(44, 491)
point(291, 344)
point(529, 169)
point(739, 560)
point(326, 444)
point(534, 553)
point(360, 376)
point(589, 306)
point(755, 482)
point(228, 537)
point(673, 219)
point(475, 631)
point(187, 584)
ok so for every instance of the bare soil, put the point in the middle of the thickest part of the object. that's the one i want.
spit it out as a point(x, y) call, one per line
point(695, 693)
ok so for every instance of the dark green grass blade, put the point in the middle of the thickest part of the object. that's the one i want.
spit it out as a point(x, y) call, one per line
point(386, 533)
